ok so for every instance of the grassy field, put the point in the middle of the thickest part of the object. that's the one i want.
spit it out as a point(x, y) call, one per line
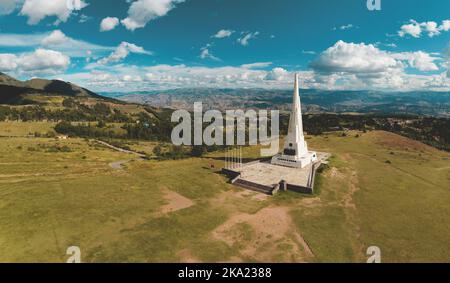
point(21, 129)
point(380, 189)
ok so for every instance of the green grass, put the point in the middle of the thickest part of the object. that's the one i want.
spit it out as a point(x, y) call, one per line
point(52, 200)
point(402, 207)
point(20, 129)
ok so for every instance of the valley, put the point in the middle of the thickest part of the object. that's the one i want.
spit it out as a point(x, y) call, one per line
point(102, 174)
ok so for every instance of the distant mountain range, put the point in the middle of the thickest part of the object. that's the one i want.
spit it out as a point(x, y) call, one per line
point(15, 92)
point(313, 101)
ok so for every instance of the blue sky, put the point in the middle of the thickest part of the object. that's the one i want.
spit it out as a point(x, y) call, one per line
point(125, 45)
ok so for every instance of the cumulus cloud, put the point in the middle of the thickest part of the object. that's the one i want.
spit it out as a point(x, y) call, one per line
point(37, 10)
point(109, 23)
point(418, 60)
point(160, 77)
point(362, 59)
point(246, 37)
point(343, 66)
point(277, 74)
point(415, 29)
point(143, 11)
point(223, 33)
point(8, 62)
point(41, 61)
point(354, 58)
point(364, 66)
point(122, 51)
point(57, 37)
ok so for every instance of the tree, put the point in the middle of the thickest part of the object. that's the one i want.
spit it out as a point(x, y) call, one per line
point(157, 150)
point(198, 150)
point(69, 102)
point(101, 124)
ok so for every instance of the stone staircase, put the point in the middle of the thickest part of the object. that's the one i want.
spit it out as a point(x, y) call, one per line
point(255, 187)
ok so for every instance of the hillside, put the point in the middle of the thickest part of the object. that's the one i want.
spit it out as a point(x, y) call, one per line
point(15, 92)
point(380, 189)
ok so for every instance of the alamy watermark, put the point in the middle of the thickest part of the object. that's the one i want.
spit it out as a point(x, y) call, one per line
point(374, 5)
point(75, 254)
point(75, 5)
point(230, 131)
point(374, 254)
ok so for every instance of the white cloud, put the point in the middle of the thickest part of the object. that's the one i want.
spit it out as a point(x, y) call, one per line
point(246, 37)
point(109, 23)
point(344, 27)
point(129, 78)
point(9, 6)
point(445, 25)
point(415, 29)
point(223, 33)
point(257, 65)
point(122, 51)
point(55, 40)
point(37, 10)
point(361, 66)
point(355, 58)
point(412, 29)
point(205, 53)
point(419, 60)
point(361, 59)
point(21, 40)
point(41, 61)
point(432, 28)
point(84, 18)
point(162, 77)
point(57, 37)
point(44, 60)
point(143, 11)
point(277, 74)
point(8, 62)
point(392, 45)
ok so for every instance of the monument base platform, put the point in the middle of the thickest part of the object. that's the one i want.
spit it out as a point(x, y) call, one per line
point(293, 161)
point(269, 178)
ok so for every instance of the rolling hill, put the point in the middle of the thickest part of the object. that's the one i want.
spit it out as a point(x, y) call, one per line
point(16, 92)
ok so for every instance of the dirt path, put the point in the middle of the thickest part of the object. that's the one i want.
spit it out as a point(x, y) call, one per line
point(174, 202)
point(118, 164)
point(121, 149)
point(267, 236)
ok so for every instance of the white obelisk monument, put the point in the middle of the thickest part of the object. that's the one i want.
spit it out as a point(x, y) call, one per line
point(295, 153)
